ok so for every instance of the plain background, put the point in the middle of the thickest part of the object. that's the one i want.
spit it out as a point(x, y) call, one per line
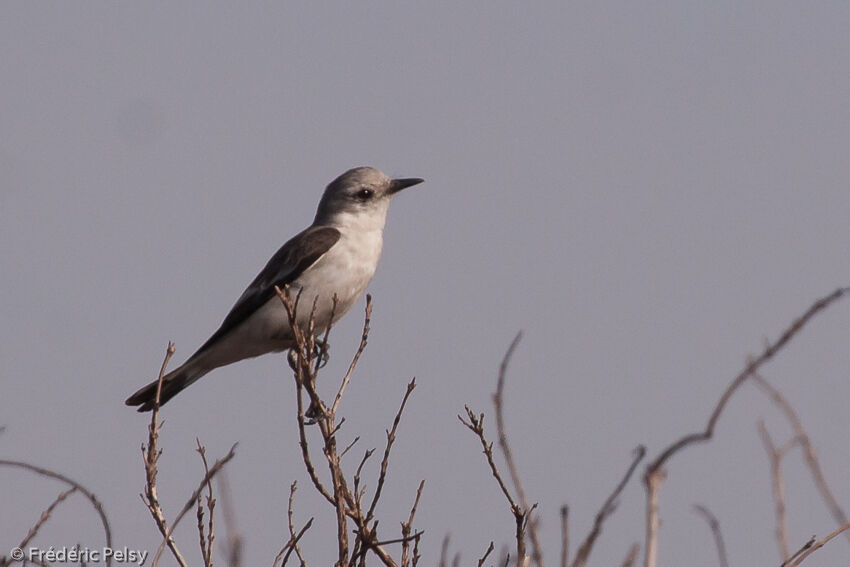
point(650, 190)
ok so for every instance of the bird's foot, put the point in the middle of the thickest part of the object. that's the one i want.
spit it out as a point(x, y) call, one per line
point(312, 414)
point(320, 352)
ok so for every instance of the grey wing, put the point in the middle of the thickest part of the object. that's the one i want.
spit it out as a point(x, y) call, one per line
point(298, 254)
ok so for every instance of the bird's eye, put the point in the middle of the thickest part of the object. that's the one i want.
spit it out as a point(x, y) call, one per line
point(364, 194)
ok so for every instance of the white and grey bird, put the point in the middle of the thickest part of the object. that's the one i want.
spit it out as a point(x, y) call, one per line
point(336, 255)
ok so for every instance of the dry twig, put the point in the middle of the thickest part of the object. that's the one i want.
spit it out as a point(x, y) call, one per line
point(151, 455)
point(476, 425)
point(802, 438)
point(654, 475)
point(631, 556)
point(774, 455)
point(74, 486)
point(607, 509)
point(293, 537)
point(364, 338)
point(407, 526)
point(486, 553)
point(813, 546)
point(498, 404)
point(292, 544)
point(217, 466)
point(42, 519)
point(565, 535)
point(752, 366)
point(347, 504)
point(208, 539)
point(444, 549)
point(653, 480)
point(386, 459)
point(714, 525)
point(231, 528)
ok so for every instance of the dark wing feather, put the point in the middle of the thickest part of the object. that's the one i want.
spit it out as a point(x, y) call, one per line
point(298, 254)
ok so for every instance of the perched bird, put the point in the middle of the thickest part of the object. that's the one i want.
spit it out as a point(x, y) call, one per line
point(336, 255)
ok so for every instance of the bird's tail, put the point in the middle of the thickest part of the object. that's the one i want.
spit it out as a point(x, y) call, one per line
point(172, 384)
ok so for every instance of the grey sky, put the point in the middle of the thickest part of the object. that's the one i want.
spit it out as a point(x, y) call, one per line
point(649, 190)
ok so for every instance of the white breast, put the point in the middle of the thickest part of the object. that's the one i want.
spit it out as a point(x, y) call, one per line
point(345, 270)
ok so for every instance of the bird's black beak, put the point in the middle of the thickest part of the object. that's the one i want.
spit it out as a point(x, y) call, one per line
point(399, 184)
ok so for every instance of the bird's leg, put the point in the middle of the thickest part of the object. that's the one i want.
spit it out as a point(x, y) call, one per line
point(313, 411)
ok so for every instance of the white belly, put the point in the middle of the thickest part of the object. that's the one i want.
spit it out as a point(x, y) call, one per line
point(344, 271)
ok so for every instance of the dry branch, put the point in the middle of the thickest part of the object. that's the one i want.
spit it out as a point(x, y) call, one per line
point(42, 519)
point(293, 537)
point(486, 553)
point(498, 404)
point(714, 525)
point(444, 551)
point(653, 480)
point(346, 503)
point(774, 455)
point(150, 455)
point(631, 556)
point(74, 485)
point(217, 466)
point(802, 437)
point(386, 459)
point(291, 545)
point(654, 473)
point(813, 546)
point(607, 509)
point(231, 527)
point(407, 526)
point(476, 425)
point(769, 352)
point(207, 540)
point(565, 535)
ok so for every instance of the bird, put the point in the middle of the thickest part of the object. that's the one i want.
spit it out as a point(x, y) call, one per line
point(333, 259)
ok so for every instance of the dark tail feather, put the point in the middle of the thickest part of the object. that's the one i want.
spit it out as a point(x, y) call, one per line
point(172, 384)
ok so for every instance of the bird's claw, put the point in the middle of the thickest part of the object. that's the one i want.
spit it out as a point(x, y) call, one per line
point(320, 352)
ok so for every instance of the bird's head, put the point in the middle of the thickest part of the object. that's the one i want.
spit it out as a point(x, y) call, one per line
point(360, 197)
